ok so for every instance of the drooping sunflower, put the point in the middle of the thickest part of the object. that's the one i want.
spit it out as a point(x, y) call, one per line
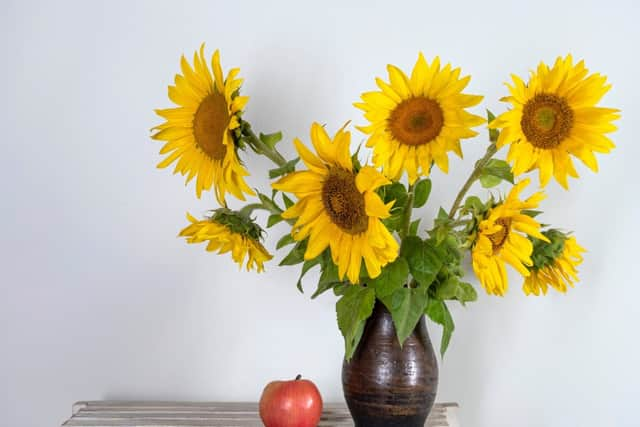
point(228, 231)
point(554, 117)
point(338, 208)
point(417, 120)
point(199, 131)
point(554, 264)
point(501, 239)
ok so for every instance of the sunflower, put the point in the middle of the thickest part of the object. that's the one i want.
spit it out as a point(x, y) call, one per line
point(499, 240)
point(555, 264)
point(555, 116)
point(338, 206)
point(229, 232)
point(199, 131)
point(416, 121)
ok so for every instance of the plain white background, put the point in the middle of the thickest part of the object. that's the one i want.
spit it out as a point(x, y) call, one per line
point(100, 300)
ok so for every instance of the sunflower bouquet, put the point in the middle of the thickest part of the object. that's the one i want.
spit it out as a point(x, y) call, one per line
point(353, 220)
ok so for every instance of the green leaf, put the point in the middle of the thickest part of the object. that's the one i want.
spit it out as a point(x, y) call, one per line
point(438, 312)
point(287, 201)
point(473, 203)
point(494, 171)
point(453, 289)
point(442, 214)
point(273, 220)
point(285, 240)
point(341, 289)
point(308, 265)
point(488, 181)
point(269, 204)
point(465, 292)
point(296, 256)
point(395, 191)
point(413, 228)
point(392, 277)
point(406, 306)
point(288, 167)
point(421, 193)
point(394, 222)
point(271, 139)
point(328, 277)
point(353, 309)
point(424, 258)
point(448, 288)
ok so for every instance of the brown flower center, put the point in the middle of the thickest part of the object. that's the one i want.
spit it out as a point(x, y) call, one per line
point(209, 125)
point(546, 120)
point(343, 202)
point(416, 121)
point(499, 237)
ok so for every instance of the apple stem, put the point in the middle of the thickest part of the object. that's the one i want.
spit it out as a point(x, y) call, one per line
point(298, 377)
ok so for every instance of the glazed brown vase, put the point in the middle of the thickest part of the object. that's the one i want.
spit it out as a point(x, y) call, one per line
point(388, 386)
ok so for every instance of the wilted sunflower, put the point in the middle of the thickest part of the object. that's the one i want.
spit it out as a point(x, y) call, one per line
point(338, 206)
point(229, 232)
point(555, 116)
point(199, 131)
point(555, 264)
point(499, 240)
point(416, 121)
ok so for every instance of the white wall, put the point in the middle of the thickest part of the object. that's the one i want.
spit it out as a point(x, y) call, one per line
point(100, 300)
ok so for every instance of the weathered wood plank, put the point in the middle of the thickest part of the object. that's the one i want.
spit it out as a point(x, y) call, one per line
point(212, 414)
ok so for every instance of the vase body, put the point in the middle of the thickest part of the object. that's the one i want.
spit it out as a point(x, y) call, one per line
point(388, 386)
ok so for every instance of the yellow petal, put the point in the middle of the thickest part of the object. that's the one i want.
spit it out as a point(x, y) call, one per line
point(369, 178)
point(374, 206)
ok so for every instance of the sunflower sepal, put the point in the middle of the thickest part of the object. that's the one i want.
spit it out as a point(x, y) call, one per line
point(493, 133)
point(238, 222)
point(531, 212)
point(545, 253)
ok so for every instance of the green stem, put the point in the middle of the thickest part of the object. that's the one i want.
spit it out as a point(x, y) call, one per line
point(248, 209)
point(475, 174)
point(260, 147)
point(459, 223)
point(408, 208)
point(271, 208)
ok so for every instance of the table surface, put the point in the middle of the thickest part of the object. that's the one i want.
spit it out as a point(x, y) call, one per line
point(213, 414)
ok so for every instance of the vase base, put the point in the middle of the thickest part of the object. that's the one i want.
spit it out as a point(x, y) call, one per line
point(407, 421)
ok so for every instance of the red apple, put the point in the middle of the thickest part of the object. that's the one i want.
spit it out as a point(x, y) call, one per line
point(295, 403)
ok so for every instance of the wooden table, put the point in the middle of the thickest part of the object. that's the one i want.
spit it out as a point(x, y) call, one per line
point(213, 414)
